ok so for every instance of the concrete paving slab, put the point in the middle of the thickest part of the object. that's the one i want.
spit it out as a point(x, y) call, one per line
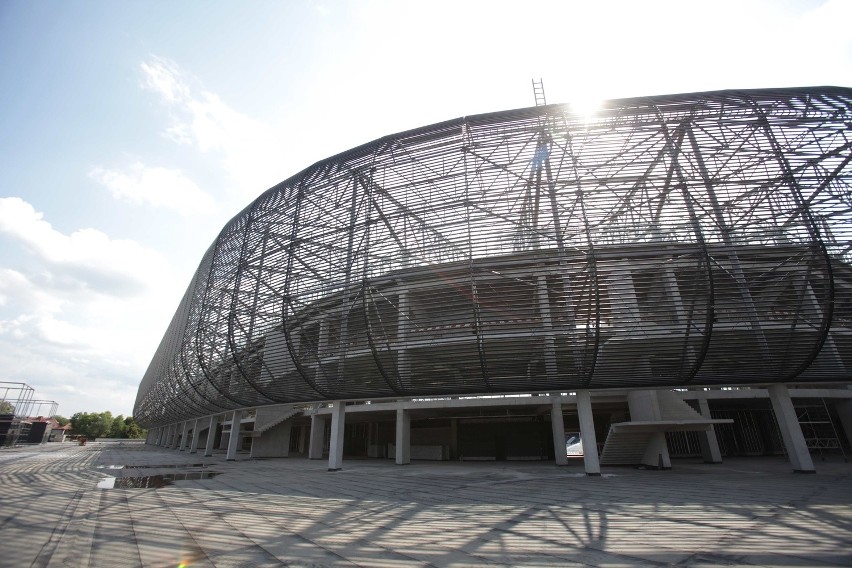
point(292, 511)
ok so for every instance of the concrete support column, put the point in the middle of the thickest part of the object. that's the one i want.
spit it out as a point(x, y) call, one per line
point(173, 436)
point(587, 433)
point(183, 433)
point(234, 440)
point(829, 356)
point(709, 443)
point(211, 435)
point(645, 406)
point(791, 431)
point(317, 437)
point(403, 437)
point(335, 448)
point(622, 294)
point(193, 448)
point(657, 452)
point(557, 425)
point(158, 441)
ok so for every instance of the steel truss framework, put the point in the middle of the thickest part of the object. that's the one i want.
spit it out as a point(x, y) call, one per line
point(679, 240)
point(16, 404)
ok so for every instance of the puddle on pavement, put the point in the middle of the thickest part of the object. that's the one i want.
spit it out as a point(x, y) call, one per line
point(169, 466)
point(152, 481)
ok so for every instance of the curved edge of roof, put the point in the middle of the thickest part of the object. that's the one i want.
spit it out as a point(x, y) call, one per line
point(366, 148)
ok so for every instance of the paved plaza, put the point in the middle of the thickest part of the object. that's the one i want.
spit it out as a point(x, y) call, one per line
point(292, 511)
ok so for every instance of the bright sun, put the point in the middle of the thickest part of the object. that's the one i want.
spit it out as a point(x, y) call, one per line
point(585, 106)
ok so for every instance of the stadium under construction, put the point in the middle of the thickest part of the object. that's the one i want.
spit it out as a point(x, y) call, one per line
point(670, 276)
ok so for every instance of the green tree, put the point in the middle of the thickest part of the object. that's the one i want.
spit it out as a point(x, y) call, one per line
point(61, 419)
point(133, 429)
point(117, 429)
point(6, 407)
point(105, 425)
point(92, 424)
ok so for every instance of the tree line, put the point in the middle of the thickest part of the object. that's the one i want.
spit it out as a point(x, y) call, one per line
point(103, 425)
point(93, 424)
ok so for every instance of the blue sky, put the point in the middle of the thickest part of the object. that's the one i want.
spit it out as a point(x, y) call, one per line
point(130, 132)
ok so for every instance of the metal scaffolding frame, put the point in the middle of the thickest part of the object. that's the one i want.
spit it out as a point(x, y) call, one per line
point(16, 403)
point(695, 239)
point(43, 408)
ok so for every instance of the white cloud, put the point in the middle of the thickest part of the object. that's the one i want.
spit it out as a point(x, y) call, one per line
point(162, 76)
point(87, 256)
point(251, 150)
point(82, 313)
point(160, 187)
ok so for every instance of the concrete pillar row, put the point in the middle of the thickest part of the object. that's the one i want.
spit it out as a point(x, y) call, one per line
point(403, 437)
point(338, 424)
point(557, 424)
point(211, 435)
point(791, 431)
point(234, 439)
point(193, 448)
point(183, 434)
point(173, 436)
point(587, 433)
point(709, 443)
point(317, 437)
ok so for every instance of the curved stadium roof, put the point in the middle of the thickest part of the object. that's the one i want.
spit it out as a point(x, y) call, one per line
point(675, 240)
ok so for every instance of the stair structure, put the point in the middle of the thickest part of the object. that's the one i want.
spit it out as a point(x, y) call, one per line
point(624, 447)
point(271, 432)
point(268, 417)
point(642, 440)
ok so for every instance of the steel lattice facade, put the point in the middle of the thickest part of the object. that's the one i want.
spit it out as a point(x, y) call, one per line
point(670, 241)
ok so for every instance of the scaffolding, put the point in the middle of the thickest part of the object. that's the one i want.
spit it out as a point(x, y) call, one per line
point(818, 428)
point(16, 403)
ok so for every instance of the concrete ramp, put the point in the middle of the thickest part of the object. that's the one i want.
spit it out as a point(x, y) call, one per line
point(642, 440)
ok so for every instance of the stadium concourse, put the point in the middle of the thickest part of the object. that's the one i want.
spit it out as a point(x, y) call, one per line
point(671, 277)
point(131, 504)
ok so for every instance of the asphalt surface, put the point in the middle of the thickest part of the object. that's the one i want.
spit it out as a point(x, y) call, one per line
point(64, 505)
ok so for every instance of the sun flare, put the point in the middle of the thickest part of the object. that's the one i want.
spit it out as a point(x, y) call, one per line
point(586, 107)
